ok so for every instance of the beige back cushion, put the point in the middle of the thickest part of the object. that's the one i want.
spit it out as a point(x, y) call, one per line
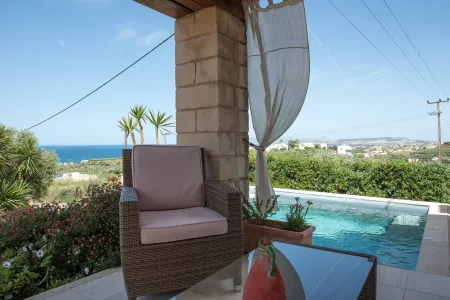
point(168, 177)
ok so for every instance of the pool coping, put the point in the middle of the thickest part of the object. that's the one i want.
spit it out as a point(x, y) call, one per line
point(434, 255)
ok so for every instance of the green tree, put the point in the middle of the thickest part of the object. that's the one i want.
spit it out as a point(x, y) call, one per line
point(128, 125)
point(36, 167)
point(12, 194)
point(292, 144)
point(161, 121)
point(24, 168)
point(138, 113)
point(6, 153)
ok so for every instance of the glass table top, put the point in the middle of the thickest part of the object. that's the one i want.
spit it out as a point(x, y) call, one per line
point(308, 273)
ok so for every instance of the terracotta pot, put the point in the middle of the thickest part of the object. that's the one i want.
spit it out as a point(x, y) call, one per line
point(253, 233)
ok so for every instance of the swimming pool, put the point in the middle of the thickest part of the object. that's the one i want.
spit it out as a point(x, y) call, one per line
point(391, 231)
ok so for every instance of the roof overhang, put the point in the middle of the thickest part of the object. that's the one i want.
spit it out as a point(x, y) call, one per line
point(179, 8)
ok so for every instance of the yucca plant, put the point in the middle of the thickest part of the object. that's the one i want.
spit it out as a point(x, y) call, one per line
point(12, 194)
point(138, 113)
point(6, 150)
point(161, 121)
point(28, 157)
point(128, 125)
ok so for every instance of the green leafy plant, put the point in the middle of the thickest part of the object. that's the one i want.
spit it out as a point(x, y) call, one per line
point(296, 217)
point(254, 210)
point(138, 113)
point(25, 170)
point(323, 172)
point(44, 246)
point(161, 122)
point(12, 194)
point(128, 125)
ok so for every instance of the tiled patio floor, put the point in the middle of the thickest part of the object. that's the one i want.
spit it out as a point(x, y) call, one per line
point(393, 284)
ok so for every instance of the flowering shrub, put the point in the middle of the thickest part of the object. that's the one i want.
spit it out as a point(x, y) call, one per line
point(42, 247)
point(295, 218)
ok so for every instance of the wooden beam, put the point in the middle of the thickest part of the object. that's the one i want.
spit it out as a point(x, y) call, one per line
point(232, 6)
point(191, 4)
point(179, 8)
point(167, 7)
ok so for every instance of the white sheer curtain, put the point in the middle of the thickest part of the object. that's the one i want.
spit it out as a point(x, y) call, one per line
point(278, 74)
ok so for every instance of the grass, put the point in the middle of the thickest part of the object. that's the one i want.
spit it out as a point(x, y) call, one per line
point(65, 191)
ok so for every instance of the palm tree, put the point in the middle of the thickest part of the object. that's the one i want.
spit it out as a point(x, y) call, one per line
point(6, 152)
point(161, 121)
point(138, 113)
point(28, 157)
point(12, 194)
point(128, 125)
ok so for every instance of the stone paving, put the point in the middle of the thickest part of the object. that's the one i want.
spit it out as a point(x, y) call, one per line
point(393, 284)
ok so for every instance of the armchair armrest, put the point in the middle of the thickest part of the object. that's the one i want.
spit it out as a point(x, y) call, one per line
point(225, 201)
point(130, 230)
point(128, 194)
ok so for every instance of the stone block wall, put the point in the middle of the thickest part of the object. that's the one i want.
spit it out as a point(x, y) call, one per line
point(211, 96)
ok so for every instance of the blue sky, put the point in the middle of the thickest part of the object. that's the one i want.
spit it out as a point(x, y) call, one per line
point(56, 51)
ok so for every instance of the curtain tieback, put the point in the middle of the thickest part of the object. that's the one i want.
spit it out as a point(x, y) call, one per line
point(254, 146)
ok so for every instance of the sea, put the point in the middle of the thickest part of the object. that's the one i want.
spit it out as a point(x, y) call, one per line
point(77, 153)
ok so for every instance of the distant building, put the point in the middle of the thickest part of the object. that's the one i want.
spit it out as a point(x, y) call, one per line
point(278, 146)
point(323, 146)
point(344, 150)
point(75, 176)
point(308, 145)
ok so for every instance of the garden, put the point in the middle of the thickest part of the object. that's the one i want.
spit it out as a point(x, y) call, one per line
point(45, 246)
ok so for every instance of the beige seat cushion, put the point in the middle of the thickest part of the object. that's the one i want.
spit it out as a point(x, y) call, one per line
point(168, 177)
point(180, 224)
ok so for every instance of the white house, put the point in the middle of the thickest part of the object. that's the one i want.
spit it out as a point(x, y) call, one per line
point(344, 150)
point(323, 146)
point(278, 146)
point(75, 176)
point(308, 145)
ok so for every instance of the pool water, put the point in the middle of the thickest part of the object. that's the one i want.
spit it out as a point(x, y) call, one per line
point(393, 232)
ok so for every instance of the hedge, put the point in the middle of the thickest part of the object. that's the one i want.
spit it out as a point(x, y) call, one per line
point(357, 176)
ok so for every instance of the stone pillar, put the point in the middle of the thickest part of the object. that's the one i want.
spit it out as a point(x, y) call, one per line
point(212, 97)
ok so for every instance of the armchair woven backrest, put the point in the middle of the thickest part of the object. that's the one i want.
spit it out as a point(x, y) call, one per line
point(167, 177)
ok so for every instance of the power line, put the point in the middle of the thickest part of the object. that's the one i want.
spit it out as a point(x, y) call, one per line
point(378, 50)
point(329, 55)
point(117, 75)
point(396, 44)
point(417, 51)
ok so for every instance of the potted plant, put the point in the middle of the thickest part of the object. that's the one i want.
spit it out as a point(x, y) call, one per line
point(256, 214)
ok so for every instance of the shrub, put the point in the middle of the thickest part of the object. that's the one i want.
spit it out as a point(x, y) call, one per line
point(48, 245)
point(335, 174)
point(296, 218)
point(24, 169)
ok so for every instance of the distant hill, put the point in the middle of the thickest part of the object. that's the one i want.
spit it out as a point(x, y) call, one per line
point(380, 141)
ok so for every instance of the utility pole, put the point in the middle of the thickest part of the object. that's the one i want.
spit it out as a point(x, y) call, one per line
point(438, 113)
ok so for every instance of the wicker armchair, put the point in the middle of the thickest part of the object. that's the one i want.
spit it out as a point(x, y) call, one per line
point(151, 267)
